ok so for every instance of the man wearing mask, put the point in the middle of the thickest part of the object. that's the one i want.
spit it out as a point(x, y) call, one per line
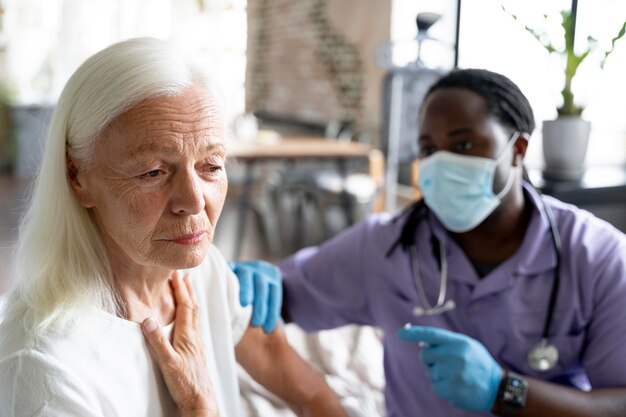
point(492, 298)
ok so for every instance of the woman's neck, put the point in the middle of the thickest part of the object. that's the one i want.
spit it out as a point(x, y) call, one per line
point(144, 291)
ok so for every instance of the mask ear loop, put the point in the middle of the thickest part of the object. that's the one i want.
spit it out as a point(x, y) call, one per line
point(508, 146)
point(505, 151)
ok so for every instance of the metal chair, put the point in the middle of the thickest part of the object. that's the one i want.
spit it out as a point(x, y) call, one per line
point(321, 191)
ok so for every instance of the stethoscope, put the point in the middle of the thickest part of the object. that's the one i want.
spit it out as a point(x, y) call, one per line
point(544, 355)
point(442, 305)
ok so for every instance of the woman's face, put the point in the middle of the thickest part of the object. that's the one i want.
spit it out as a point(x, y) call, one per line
point(157, 183)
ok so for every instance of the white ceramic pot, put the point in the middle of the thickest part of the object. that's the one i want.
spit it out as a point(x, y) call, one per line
point(565, 143)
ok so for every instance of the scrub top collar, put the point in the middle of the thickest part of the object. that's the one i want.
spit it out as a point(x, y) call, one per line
point(536, 254)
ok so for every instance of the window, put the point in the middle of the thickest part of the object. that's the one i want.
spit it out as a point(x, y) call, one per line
point(47, 40)
point(491, 39)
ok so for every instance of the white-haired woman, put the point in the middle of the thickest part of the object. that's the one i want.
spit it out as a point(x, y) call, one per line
point(131, 186)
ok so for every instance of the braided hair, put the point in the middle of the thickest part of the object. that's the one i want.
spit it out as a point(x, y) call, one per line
point(505, 101)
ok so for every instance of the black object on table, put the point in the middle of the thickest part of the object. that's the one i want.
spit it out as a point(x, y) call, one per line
point(600, 185)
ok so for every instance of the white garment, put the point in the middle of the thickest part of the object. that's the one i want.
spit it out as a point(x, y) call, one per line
point(104, 367)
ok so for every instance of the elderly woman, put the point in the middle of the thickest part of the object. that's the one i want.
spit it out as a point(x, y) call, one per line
point(101, 323)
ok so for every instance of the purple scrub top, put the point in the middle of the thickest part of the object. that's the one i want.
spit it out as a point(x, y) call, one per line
point(349, 280)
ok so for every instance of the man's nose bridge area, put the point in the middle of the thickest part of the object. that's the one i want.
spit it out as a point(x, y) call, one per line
point(187, 194)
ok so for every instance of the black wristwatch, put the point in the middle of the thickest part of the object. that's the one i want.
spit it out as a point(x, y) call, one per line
point(512, 393)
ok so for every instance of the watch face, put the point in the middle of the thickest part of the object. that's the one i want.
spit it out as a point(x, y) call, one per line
point(514, 391)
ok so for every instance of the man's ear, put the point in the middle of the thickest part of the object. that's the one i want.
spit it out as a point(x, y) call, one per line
point(519, 148)
point(77, 182)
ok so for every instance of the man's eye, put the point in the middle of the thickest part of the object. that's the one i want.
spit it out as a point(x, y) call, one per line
point(463, 146)
point(425, 151)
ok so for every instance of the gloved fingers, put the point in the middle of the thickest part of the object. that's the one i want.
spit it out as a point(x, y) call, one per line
point(259, 305)
point(265, 267)
point(443, 367)
point(430, 356)
point(274, 306)
point(246, 285)
point(437, 373)
point(430, 335)
point(271, 270)
point(443, 353)
point(444, 388)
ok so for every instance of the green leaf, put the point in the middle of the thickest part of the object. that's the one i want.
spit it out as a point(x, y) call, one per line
point(572, 59)
point(568, 26)
point(541, 38)
point(615, 39)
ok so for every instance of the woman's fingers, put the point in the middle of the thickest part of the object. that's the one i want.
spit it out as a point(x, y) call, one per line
point(159, 344)
point(190, 291)
point(183, 362)
point(194, 301)
point(185, 306)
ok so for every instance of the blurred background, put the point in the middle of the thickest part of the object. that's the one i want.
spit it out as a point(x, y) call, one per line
point(321, 97)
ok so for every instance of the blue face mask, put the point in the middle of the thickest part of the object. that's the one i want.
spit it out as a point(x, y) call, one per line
point(459, 188)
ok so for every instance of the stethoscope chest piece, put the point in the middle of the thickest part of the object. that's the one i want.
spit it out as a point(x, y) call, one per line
point(543, 357)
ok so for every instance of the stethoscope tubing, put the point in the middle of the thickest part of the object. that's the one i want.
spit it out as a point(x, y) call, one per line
point(443, 264)
point(556, 239)
point(443, 306)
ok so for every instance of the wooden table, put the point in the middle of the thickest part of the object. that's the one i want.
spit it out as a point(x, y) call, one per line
point(297, 148)
point(293, 149)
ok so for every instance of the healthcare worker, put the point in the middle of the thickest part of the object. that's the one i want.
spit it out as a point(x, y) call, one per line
point(492, 298)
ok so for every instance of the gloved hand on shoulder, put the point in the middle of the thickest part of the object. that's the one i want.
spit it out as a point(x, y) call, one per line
point(460, 368)
point(260, 284)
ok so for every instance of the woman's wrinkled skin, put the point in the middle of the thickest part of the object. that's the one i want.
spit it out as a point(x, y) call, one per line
point(155, 188)
point(156, 178)
point(182, 361)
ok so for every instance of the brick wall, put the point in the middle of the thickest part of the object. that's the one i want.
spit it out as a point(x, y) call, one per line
point(314, 60)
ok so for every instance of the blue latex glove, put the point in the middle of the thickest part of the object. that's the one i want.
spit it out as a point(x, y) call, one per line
point(460, 368)
point(260, 284)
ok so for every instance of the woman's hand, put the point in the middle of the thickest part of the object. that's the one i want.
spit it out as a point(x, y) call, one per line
point(182, 361)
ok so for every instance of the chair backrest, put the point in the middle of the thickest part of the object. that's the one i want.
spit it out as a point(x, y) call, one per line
point(377, 172)
point(342, 130)
point(415, 179)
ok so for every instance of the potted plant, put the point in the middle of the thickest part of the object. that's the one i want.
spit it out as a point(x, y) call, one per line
point(565, 139)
